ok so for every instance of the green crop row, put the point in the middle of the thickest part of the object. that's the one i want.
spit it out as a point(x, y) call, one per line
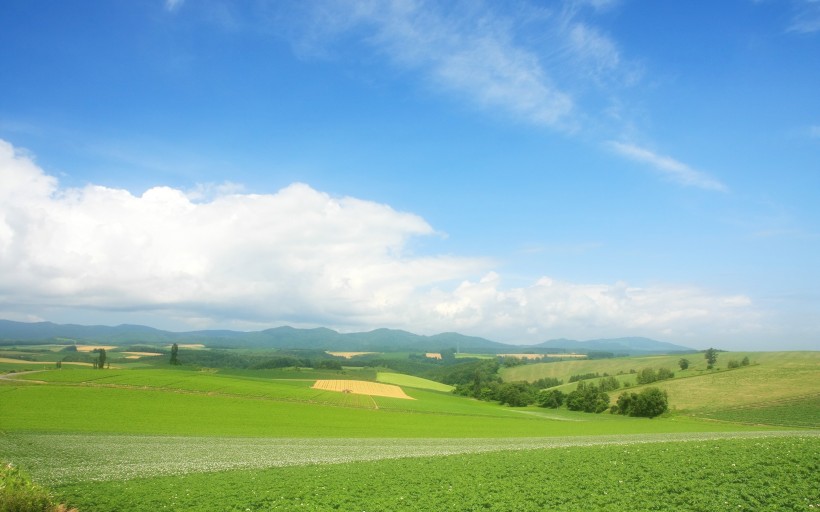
point(761, 474)
point(802, 412)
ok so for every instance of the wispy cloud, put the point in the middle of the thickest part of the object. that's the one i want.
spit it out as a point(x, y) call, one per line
point(806, 18)
point(672, 169)
point(533, 63)
point(173, 5)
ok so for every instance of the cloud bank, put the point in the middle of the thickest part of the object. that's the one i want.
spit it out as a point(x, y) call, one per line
point(299, 256)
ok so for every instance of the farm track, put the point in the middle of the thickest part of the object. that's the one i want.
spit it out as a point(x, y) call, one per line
point(135, 456)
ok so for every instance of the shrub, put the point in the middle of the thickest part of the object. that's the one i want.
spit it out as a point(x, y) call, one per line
point(609, 384)
point(19, 494)
point(648, 403)
point(733, 364)
point(587, 398)
point(745, 361)
point(551, 398)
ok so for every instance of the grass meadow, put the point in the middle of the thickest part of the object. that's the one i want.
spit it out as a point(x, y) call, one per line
point(171, 438)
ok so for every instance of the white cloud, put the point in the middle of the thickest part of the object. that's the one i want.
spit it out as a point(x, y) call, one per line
point(550, 308)
point(299, 256)
point(173, 5)
point(806, 18)
point(529, 62)
point(673, 169)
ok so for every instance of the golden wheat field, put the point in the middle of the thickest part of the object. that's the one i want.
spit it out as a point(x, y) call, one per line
point(360, 387)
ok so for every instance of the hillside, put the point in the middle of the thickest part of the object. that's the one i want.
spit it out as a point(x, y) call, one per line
point(286, 337)
point(751, 393)
point(629, 346)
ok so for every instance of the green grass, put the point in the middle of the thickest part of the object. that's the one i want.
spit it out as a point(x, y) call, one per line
point(698, 475)
point(191, 403)
point(797, 412)
point(180, 439)
point(400, 379)
point(772, 376)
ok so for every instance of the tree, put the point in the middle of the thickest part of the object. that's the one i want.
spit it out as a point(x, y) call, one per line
point(648, 403)
point(647, 376)
point(683, 363)
point(101, 359)
point(711, 356)
point(745, 361)
point(587, 398)
point(516, 394)
point(174, 353)
point(552, 398)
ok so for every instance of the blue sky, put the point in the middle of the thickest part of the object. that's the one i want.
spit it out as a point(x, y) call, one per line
point(520, 171)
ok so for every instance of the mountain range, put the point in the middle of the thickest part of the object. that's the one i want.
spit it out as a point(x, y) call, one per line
point(379, 340)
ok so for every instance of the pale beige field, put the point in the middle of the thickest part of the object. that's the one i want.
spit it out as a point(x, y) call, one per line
point(348, 355)
point(432, 355)
point(360, 387)
point(50, 364)
point(137, 355)
point(539, 356)
point(91, 348)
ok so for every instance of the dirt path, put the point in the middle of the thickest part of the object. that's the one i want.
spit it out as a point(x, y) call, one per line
point(11, 377)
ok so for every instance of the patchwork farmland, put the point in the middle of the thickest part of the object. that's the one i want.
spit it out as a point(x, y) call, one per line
point(169, 437)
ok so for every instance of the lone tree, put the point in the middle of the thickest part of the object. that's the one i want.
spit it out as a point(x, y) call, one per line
point(101, 359)
point(683, 363)
point(711, 358)
point(174, 352)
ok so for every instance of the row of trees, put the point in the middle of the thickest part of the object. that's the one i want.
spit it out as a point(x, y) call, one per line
point(649, 375)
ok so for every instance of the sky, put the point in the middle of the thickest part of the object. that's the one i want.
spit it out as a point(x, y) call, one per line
point(521, 171)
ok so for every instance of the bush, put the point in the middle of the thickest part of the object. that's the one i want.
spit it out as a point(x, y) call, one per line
point(609, 384)
point(587, 398)
point(516, 394)
point(551, 398)
point(648, 403)
point(19, 494)
point(733, 364)
point(583, 376)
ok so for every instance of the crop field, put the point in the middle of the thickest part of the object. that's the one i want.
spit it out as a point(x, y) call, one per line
point(174, 438)
point(774, 472)
point(797, 412)
point(400, 379)
point(361, 387)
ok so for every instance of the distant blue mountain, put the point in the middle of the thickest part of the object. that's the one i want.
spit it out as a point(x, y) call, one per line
point(617, 345)
point(379, 340)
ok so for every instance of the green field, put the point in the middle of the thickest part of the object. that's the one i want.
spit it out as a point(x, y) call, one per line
point(176, 438)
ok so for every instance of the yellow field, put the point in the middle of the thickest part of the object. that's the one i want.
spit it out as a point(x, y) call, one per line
point(360, 387)
point(91, 348)
point(50, 364)
point(137, 355)
point(539, 356)
point(188, 345)
point(432, 355)
point(349, 355)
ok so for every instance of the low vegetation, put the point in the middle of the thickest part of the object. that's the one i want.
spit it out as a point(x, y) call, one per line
point(264, 431)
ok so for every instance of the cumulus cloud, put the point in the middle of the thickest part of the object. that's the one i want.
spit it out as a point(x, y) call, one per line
point(673, 169)
point(297, 256)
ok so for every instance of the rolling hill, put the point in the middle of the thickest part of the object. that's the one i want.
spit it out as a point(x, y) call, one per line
point(321, 338)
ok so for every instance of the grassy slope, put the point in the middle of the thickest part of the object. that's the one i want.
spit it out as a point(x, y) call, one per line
point(400, 379)
point(772, 376)
point(179, 402)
